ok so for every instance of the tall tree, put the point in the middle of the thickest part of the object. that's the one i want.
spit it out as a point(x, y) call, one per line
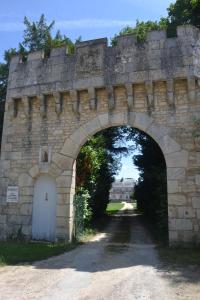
point(97, 163)
point(184, 12)
point(4, 70)
point(37, 34)
point(151, 188)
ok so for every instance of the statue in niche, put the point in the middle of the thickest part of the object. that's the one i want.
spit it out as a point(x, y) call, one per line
point(45, 157)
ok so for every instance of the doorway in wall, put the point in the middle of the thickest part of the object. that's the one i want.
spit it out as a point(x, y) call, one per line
point(44, 209)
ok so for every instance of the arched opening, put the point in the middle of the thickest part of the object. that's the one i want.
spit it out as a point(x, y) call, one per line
point(176, 159)
point(97, 169)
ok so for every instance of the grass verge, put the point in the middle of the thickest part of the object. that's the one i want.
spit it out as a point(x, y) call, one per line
point(12, 253)
point(113, 208)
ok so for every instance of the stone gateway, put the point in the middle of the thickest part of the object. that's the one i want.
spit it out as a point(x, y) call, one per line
point(54, 104)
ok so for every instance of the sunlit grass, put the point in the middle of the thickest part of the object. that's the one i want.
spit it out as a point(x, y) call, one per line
point(12, 253)
point(113, 208)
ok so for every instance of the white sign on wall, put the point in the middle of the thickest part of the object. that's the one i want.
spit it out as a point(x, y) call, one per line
point(12, 194)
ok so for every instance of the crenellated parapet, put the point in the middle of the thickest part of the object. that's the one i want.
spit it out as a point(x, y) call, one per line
point(95, 64)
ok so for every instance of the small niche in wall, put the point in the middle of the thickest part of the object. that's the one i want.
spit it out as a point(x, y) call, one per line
point(16, 103)
point(45, 155)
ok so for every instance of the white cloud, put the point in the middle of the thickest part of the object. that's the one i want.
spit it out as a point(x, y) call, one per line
point(71, 24)
point(93, 23)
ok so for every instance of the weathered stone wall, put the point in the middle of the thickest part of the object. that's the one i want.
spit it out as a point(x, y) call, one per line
point(55, 104)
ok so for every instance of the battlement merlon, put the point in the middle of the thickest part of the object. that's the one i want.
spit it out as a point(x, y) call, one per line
point(95, 64)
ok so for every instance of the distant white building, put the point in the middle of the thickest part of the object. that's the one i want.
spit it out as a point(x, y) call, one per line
point(122, 190)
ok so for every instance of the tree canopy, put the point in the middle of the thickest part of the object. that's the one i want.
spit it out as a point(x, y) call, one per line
point(141, 29)
point(97, 163)
point(184, 12)
point(179, 13)
point(151, 188)
point(37, 34)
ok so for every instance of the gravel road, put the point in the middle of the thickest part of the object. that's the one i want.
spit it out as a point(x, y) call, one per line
point(120, 264)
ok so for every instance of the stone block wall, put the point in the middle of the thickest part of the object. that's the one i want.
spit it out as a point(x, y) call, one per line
point(55, 104)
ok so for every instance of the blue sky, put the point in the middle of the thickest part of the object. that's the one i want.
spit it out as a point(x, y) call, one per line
point(87, 18)
point(128, 170)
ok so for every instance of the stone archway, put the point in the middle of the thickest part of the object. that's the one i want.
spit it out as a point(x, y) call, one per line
point(176, 158)
point(54, 105)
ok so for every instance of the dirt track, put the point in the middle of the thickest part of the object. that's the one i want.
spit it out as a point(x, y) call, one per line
point(121, 263)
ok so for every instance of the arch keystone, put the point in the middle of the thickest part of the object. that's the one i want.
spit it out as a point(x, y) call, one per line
point(142, 121)
point(118, 119)
point(104, 120)
point(131, 118)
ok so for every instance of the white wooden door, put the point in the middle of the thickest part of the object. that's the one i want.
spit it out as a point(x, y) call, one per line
point(44, 209)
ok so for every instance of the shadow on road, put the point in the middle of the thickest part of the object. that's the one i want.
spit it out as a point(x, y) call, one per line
point(126, 242)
